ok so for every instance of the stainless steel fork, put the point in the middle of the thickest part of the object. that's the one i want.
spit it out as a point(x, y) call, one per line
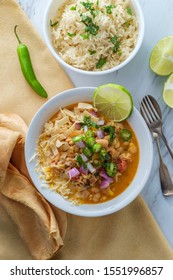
point(153, 117)
point(152, 114)
point(165, 178)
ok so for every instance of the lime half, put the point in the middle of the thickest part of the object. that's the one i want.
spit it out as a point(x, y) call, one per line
point(113, 101)
point(161, 58)
point(168, 91)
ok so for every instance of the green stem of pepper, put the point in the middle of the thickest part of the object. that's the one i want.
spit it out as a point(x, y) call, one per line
point(26, 67)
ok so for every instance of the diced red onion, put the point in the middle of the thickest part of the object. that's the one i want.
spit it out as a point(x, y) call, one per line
point(77, 126)
point(73, 172)
point(94, 113)
point(90, 167)
point(83, 170)
point(100, 133)
point(101, 122)
point(85, 128)
point(84, 157)
point(81, 144)
point(105, 176)
point(104, 184)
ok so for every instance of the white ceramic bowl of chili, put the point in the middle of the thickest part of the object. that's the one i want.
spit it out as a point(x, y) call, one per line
point(140, 129)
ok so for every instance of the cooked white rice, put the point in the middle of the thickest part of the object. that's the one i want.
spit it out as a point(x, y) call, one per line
point(115, 29)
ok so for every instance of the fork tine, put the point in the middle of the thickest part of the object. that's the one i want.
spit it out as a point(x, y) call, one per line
point(146, 110)
point(152, 107)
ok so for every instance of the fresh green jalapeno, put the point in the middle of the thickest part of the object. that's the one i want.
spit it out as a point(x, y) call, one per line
point(111, 169)
point(89, 133)
point(90, 141)
point(87, 152)
point(77, 138)
point(96, 148)
point(27, 69)
point(125, 134)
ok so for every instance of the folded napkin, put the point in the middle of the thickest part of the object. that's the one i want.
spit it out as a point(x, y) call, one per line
point(131, 233)
point(38, 225)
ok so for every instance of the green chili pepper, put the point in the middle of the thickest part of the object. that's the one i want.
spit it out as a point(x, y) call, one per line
point(111, 169)
point(125, 134)
point(89, 133)
point(96, 148)
point(27, 69)
point(87, 152)
point(78, 138)
point(90, 142)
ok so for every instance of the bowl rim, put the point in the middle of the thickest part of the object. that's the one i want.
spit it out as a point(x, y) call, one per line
point(67, 207)
point(136, 6)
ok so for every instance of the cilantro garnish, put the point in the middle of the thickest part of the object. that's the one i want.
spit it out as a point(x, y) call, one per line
point(119, 52)
point(109, 8)
point(127, 23)
point(116, 42)
point(114, 39)
point(71, 34)
point(116, 47)
point(104, 156)
point(111, 131)
point(92, 29)
point(84, 36)
point(52, 24)
point(73, 8)
point(81, 162)
point(100, 63)
point(91, 52)
point(93, 12)
point(87, 20)
point(90, 26)
point(87, 5)
point(87, 121)
point(129, 10)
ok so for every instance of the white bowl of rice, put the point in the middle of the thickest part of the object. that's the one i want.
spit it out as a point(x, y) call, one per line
point(38, 139)
point(94, 36)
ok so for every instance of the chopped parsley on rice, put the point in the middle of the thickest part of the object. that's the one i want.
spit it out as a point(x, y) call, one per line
point(94, 35)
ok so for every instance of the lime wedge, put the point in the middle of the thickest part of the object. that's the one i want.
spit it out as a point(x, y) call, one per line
point(161, 58)
point(113, 101)
point(168, 91)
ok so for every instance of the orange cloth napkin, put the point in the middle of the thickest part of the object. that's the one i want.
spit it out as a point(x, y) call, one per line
point(41, 228)
point(131, 233)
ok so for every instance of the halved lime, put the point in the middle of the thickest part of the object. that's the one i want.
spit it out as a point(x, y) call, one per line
point(113, 101)
point(161, 58)
point(168, 91)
